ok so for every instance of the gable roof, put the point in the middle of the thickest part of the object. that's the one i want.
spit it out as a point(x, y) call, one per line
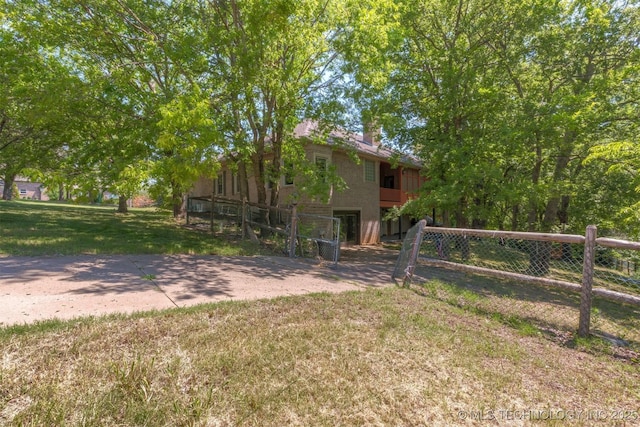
point(311, 129)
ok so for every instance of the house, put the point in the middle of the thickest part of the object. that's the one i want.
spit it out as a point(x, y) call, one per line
point(380, 180)
point(27, 189)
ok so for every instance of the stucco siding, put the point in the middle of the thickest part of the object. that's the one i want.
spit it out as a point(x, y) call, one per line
point(202, 188)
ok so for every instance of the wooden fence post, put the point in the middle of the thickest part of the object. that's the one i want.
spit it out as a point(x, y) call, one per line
point(244, 216)
point(188, 208)
point(294, 231)
point(213, 201)
point(587, 280)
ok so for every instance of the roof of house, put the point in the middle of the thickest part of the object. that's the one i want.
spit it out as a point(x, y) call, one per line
point(311, 129)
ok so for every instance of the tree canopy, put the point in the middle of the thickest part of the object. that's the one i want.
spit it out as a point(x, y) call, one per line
point(511, 106)
point(40, 102)
point(525, 114)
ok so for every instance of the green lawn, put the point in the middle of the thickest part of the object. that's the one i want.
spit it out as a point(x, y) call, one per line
point(44, 228)
point(458, 350)
point(377, 357)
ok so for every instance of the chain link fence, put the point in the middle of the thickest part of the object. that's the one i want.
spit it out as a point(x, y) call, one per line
point(534, 281)
point(319, 237)
point(315, 237)
point(265, 222)
point(225, 217)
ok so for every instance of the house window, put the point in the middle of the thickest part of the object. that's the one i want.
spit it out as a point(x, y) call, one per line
point(369, 171)
point(220, 183)
point(321, 167)
point(23, 192)
point(288, 172)
point(234, 184)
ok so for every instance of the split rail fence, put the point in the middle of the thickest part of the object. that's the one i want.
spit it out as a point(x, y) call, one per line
point(597, 275)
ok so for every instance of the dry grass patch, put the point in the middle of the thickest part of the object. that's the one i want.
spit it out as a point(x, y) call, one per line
point(378, 357)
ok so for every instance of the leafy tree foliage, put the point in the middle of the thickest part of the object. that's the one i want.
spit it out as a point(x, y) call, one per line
point(525, 114)
point(136, 54)
point(184, 82)
point(270, 65)
point(504, 102)
point(39, 104)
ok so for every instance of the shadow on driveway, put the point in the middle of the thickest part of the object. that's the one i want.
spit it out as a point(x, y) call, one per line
point(38, 288)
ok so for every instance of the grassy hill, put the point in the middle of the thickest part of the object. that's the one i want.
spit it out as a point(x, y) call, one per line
point(43, 228)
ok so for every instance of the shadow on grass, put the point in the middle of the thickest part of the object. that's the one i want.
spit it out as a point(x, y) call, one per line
point(39, 228)
point(552, 312)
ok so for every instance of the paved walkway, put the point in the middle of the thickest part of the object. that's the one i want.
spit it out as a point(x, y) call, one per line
point(38, 288)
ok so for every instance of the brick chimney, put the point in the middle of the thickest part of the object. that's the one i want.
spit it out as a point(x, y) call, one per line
point(371, 133)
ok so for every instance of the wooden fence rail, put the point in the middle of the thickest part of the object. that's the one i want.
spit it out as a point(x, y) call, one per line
point(584, 289)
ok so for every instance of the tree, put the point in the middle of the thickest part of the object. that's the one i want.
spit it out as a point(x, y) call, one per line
point(39, 102)
point(141, 55)
point(259, 67)
point(503, 102)
point(279, 62)
point(620, 179)
point(446, 102)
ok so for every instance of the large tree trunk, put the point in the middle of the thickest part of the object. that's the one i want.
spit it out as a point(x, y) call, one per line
point(260, 181)
point(243, 180)
point(259, 177)
point(277, 159)
point(178, 201)
point(7, 192)
point(540, 255)
point(244, 195)
point(122, 204)
point(563, 211)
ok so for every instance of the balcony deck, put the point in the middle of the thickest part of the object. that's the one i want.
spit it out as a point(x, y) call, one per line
point(390, 197)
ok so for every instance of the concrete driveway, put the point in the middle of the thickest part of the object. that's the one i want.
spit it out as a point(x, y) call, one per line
point(38, 288)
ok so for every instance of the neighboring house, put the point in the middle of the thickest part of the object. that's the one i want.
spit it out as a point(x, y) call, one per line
point(373, 186)
point(27, 189)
